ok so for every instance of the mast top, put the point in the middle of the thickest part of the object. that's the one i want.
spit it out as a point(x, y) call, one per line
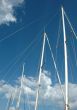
point(23, 69)
point(45, 33)
point(62, 7)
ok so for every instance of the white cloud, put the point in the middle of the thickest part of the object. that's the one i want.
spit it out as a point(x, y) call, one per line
point(7, 10)
point(51, 94)
point(11, 108)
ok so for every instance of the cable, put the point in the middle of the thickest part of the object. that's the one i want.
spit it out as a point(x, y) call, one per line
point(22, 53)
point(17, 58)
point(56, 68)
point(50, 20)
point(1, 40)
point(57, 44)
point(70, 25)
point(20, 30)
point(59, 30)
point(25, 26)
point(74, 50)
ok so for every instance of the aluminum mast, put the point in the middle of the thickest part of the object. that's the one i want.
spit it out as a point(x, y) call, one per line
point(18, 102)
point(66, 63)
point(40, 71)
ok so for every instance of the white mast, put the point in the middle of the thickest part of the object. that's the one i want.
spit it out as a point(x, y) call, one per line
point(66, 63)
point(18, 103)
point(40, 71)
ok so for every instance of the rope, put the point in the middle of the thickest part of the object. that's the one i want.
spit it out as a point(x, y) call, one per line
point(56, 69)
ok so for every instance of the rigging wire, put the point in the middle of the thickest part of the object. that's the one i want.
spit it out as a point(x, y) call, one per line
point(26, 57)
point(71, 64)
point(46, 25)
point(58, 38)
point(59, 32)
point(26, 26)
point(75, 56)
point(56, 69)
point(12, 34)
point(71, 71)
point(1, 40)
point(18, 30)
point(18, 57)
point(74, 50)
point(70, 25)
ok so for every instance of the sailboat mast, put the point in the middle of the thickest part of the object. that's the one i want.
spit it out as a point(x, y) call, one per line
point(66, 62)
point(40, 71)
point(18, 102)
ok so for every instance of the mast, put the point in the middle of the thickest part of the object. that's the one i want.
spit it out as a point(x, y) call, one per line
point(18, 102)
point(66, 63)
point(40, 71)
point(9, 103)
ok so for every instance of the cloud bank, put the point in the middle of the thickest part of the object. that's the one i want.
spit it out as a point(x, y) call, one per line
point(49, 94)
point(7, 10)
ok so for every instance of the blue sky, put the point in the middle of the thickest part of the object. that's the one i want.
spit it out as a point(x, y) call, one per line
point(22, 25)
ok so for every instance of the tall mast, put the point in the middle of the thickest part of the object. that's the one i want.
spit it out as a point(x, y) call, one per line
point(40, 71)
point(66, 62)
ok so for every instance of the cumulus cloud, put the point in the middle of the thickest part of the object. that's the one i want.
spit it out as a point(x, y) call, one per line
point(50, 94)
point(7, 10)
